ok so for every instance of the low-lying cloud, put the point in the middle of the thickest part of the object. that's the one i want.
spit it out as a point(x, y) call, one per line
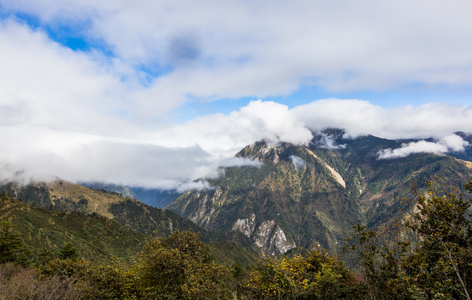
point(298, 162)
point(328, 141)
point(175, 156)
point(447, 144)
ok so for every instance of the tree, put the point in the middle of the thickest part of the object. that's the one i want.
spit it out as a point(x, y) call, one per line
point(179, 267)
point(442, 252)
point(68, 251)
point(11, 244)
point(434, 259)
point(316, 276)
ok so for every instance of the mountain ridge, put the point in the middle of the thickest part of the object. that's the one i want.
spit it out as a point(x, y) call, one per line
point(305, 195)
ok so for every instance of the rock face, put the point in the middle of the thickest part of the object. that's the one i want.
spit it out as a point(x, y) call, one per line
point(301, 196)
point(267, 235)
point(271, 238)
point(246, 226)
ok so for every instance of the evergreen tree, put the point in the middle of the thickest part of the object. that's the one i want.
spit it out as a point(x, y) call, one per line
point(68, 251)
point(11, 244)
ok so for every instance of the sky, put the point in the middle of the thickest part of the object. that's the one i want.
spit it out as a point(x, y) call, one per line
point(161, 93)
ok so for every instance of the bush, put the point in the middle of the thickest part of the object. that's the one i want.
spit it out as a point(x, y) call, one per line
point(26, 283)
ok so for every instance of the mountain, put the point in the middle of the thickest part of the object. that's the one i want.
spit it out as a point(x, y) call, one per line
point(155, 197)
point(97, 238)
point(467, 154)
point(300, 196)
point(61, 195)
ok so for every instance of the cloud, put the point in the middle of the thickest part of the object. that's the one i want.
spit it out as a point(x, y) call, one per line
point(190, 185)
point(328, 141)
point(448, 143)
point(455, 143)
point(39, 153)
point(105, 112)
point(362, 117)
point(297, 162)
point(240, 162)
point(181, 153)
point(225, 135)
point(240, 48)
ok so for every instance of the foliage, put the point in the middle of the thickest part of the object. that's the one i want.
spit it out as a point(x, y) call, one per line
point(11, 245)
point(94, 281)
point(434, 259)
point(44, 232)
point(176, 267)
point(26, 283)
point(68, 251)
point(179, 267)
point(316, 276)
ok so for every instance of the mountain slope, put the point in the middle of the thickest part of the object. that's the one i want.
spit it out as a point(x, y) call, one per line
point(301, 196)
point(140, 217)
point(97, 238)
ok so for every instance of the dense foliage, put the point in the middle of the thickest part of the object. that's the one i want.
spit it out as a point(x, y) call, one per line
point(430, 258)
point(316, 276)
point(433, 257)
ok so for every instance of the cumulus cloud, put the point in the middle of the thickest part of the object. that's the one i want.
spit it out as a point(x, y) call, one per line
point(224, 135)
point(352, 46)
point(448, 143)
point(176, 155)
point(104, 113)
point(360, 117)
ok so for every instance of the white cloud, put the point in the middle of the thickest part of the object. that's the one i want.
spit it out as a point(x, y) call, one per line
point(328, 141)
point(361, 117)
point(298, 162)
point(239, 48)
point(240, 162)
point(449, 143)
point(179, 154)
point(410, 148)
point(84, 115)
point(227, 134)
point(454, 142)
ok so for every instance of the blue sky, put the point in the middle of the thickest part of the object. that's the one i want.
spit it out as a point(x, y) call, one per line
point(134, 86)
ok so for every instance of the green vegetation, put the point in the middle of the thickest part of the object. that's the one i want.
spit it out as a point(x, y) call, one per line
point(430, 258)
point(315, 276)
point(45, 232)
point(433, 257)
point(53, 214)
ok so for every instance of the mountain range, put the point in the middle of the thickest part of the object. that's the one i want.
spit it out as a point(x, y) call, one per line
point(301, 196)
point(289, 197)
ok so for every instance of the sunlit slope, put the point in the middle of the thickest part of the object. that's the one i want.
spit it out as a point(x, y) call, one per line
point(65, 196)
point(97, 238)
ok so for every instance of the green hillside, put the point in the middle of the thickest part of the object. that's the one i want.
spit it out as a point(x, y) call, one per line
point(97, 238)
point(74, 201)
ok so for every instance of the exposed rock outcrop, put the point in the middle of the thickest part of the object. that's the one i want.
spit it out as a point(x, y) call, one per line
point(268, 235)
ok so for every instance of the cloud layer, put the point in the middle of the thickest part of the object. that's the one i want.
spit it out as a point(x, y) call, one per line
point(174, 156)
point(183, 50)
point(104, 111)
